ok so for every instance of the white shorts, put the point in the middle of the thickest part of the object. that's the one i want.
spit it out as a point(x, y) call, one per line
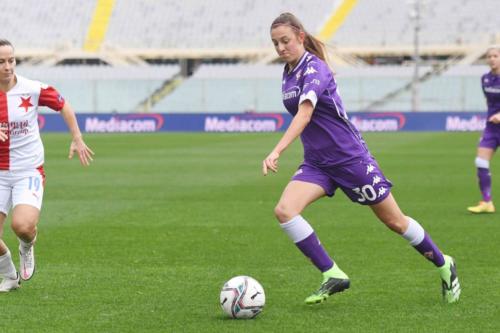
point(21, 187)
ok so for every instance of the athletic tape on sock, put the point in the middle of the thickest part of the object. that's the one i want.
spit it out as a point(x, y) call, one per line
point(297, 229)
point(482, 163)
point(415, 233)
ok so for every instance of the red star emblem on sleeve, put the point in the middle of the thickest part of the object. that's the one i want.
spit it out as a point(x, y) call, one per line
point(25, 103)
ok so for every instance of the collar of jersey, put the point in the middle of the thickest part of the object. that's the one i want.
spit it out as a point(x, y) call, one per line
point(299, 63)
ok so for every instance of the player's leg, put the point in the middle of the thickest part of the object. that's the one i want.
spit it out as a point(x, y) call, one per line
point(27, 195)
point(24, 224)
point(482, 161)
point(8, 273)
point(390, 214)
point(297, 195)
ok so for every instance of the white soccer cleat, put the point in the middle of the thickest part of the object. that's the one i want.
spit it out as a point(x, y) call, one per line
point(27, 262)
point(10, 284)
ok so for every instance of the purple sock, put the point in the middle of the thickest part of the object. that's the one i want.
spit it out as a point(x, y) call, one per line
point(312, 248)
point(484, 177)
point(430, 250)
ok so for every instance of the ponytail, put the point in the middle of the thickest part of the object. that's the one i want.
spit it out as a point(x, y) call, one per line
point(315, 46)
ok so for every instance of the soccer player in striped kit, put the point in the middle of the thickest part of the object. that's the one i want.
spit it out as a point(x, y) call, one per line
point(21, 161)
point(490, 140)
point(335, 156)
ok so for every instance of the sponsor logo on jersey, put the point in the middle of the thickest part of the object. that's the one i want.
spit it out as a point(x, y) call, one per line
point(244, 123)
point(493, 90)
point(290, 93)
point(16, 128)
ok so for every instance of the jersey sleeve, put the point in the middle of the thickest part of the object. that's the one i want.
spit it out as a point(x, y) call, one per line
point(51, 98)
point(316, 78)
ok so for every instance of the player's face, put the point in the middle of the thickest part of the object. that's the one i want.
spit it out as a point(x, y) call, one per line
point(7, 64)
point(493, 59)
point(288, 44)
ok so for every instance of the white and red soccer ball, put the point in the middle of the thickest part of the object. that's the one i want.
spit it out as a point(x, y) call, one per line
point(242, 297)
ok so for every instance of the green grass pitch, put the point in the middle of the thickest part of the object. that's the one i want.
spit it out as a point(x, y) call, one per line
point(143, 240)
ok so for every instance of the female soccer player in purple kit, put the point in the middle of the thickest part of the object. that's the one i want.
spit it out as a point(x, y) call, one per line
point(490, 139)
point(335, 156)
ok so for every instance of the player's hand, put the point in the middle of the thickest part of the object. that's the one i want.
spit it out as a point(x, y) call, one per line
point(84, 153)
point(271, 162)
point(495, 119)
point(4, 130)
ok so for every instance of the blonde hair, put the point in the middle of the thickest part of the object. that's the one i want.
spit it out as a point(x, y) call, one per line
point(311, 43)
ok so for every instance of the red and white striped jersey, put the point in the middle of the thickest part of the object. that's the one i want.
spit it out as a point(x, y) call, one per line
point(23, 150)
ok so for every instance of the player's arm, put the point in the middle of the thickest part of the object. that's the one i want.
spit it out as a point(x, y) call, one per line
point(299, 122)
point(77, 144)
point(495, 119)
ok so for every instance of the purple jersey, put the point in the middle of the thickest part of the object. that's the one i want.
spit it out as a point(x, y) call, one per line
point(491, 89)
point(330, 138)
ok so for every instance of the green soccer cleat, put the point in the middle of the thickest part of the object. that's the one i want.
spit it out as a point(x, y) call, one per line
point(449, 280)
point(334, 281)
point(482, 207)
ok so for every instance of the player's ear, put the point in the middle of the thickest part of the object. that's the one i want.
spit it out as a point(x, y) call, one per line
point(301, 36)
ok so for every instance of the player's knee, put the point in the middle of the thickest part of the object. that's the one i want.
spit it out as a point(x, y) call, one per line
point(284, 212)
point(23, 228)
point(396, 223)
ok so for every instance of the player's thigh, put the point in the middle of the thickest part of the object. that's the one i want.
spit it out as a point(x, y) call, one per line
point(27, 197)
point(5, 193)
point(485, 153)
point(298, 195)
point(390, 214)
point(3, 217)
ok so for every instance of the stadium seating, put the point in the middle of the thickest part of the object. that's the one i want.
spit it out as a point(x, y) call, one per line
point(388, 22)
point(48, 24)
point(206, 24)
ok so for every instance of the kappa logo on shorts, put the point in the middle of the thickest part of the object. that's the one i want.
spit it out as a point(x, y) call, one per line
point(381, 191)
point(376, 180)
point(369, 168)
point(298, 172)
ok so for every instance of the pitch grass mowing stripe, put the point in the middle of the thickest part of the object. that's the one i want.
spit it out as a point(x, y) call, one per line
point(143, 240)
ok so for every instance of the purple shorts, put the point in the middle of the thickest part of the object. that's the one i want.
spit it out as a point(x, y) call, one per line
point(490, 138)
point(362, 181)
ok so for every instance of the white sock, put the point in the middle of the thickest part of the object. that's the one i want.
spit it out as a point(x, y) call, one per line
point(415, 233)
point(297, 229)
point(7, 268)
point(25, 246)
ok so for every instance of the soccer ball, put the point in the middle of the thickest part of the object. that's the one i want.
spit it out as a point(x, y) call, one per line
point(242, 297)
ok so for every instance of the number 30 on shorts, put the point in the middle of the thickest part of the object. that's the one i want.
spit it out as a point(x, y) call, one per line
point(367, 192)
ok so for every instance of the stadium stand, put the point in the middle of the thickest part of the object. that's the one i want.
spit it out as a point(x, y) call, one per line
point(205, 24)
point(135, 36)
point(48, 25)
point(444, 22)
